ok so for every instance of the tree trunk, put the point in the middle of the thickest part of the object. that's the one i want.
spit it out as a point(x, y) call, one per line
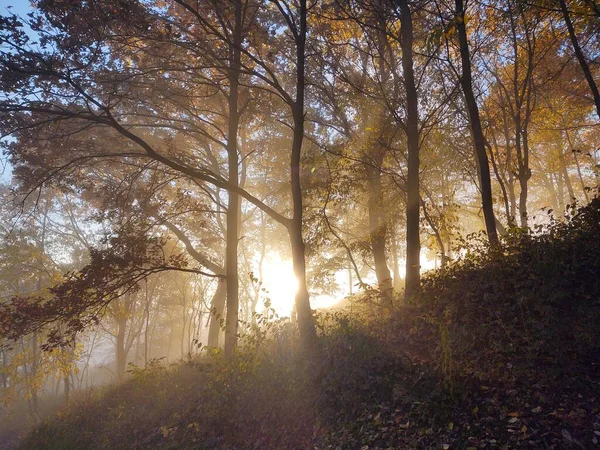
point(146, 328)
point(565, 174)
point(499, 178)
point(395, 264)
point(510, 184)
point(378, 227)
point(583, 187)
point(34, 369)
point(523, 202)
point(466, 81)
point(4, 367)
point(216, 314)
point(561, 193)
point(233, 202)
point(524, 176)
point(580, 57)
point(413, 240)
point(549, 184)
point(306, 323)
point(436, 234)
point(120, 350)
point(67, 386)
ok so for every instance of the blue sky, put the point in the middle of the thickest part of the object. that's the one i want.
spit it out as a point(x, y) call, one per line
point(19, 7)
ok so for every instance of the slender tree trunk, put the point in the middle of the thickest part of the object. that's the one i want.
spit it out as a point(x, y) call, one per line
point(4, 368)
point(565, 174)
point(378, 227)
point(216, 314)
point(561, 192)
point(493, 149)
point(524, 176)
point(413, 240)
point(436, 234)
point(510, 184)
point(306, 323)
point(146, 328)
point(478, 139)
point(395, 264)
point(233, 202)
point(549, 184)
point(34, 369)
point(67, 387)
point(350, 280)
point(261, 260)
point(378, 223)
point(569, 185)
point(183, 330)
point(524, 192)
point(120, 350)
point(580, 57)
point(583, 187)
point(521, 124)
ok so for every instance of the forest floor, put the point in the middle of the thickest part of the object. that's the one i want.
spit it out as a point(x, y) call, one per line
point(501, 351)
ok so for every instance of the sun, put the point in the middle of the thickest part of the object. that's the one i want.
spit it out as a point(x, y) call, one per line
point(280, 284)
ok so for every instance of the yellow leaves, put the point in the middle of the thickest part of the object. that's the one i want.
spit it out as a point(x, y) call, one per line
point(449, 32)
point(168, 431)
point(195, 426)
point(343, 31)
point(56, 279)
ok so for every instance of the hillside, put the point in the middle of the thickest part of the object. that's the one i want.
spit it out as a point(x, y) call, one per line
point(499, 351)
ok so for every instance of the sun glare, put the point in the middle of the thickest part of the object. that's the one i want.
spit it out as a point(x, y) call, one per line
point(280, 284)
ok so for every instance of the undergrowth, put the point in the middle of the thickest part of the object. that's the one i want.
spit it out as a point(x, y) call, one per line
point(499, 350)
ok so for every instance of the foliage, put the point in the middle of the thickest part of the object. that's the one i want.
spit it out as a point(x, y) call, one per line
point(80, 299)
point(529, 296)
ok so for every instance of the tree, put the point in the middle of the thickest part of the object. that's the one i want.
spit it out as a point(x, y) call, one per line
point(413, 244)
point(579, 53)
point(93, 108)
point(476, 128)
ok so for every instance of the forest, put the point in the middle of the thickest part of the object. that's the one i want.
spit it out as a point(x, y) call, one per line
point(299, 224)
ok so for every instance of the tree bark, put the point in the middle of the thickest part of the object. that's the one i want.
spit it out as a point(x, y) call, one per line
point(395, 264)
point(413, 239)
point(120, 350)
point(216, 314)
point(580, 57)
point(466, 81)
point(4, 366)
point(378, 227)
point(306, 323)
point(233, 202)
point(583, 187)
point(500, 180)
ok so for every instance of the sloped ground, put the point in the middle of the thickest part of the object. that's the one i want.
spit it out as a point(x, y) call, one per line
point(500, 351)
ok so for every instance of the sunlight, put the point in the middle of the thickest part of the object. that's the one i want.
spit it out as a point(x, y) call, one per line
point(280, 284)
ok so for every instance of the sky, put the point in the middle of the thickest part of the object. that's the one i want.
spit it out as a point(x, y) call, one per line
point(19, 7)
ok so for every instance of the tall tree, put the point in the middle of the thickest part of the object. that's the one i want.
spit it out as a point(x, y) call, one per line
point(466, 80)
point(585, 67)
point(413, 244)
